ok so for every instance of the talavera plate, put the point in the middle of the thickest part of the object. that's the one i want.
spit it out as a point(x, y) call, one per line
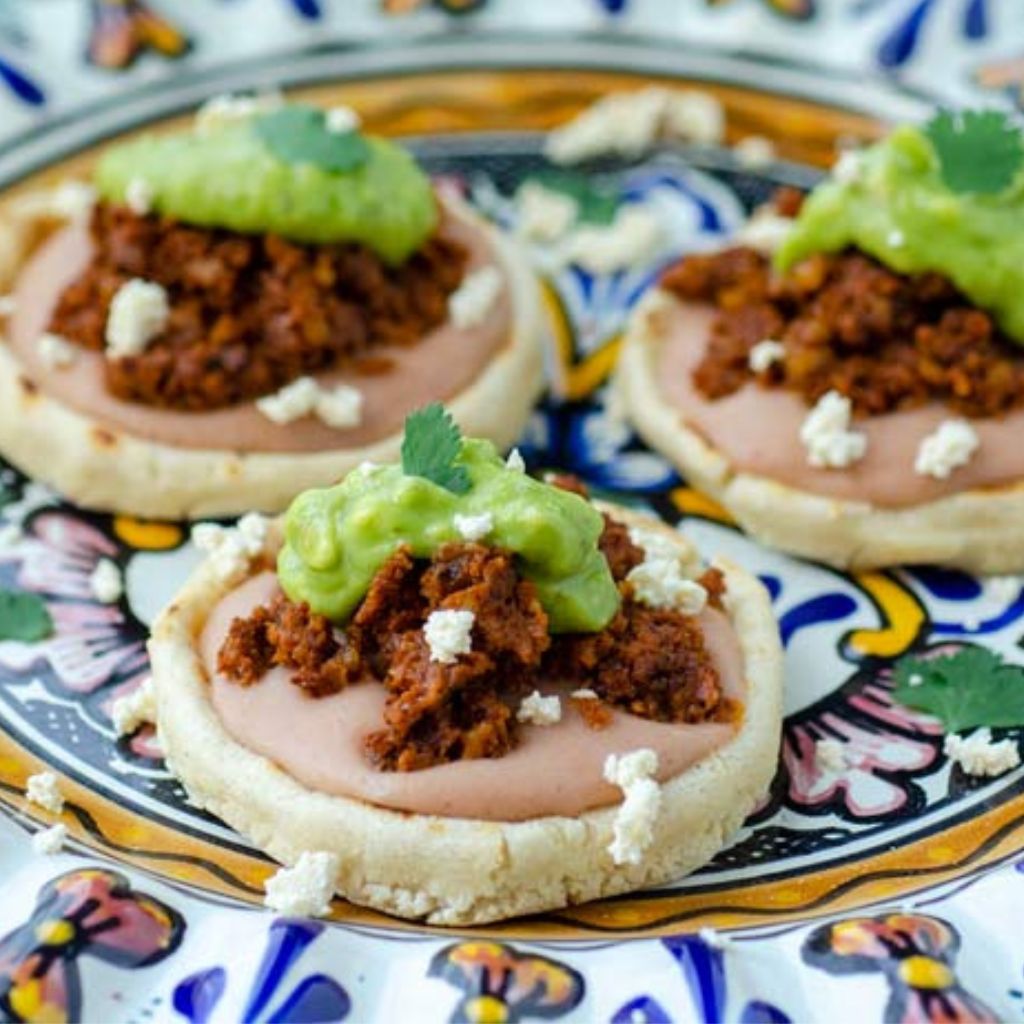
point(887, 891)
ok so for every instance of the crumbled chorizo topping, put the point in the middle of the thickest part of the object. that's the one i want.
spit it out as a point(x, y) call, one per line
point(650, 662)
point(848, 324)
point(283, 633)
point(248, 314)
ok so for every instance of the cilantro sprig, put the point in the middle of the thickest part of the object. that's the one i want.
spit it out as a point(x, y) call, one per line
point(979, 151)
point(430, 447)
point(965, 690)
point(23, 616)
point(298, 134)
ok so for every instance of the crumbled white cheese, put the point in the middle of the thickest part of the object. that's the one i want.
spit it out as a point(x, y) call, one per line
point(830, 756)
point(895, 238)
point(693, 116)
point(292, 402)
point(978, 755)
point(473, 528)
point(660, 580)
point(50, 841)
point(544, 215)
point(539, 710)
point(515, 461)
point(219, 111)
point(105, 582)
point(765, 230)
point(915, 679)
point(951, 445)
point(55, 352)
point(8, 304)
point(754, 151)
point(633, 829)
point(449, 633)
point(73, 201)
point(44, 791)
point(471, 303)
point(633, 239)
point(629, 123)
point(340, 407)
point(826, 433)
point(584, 693)
point(10, 534)
point(139, 195)
point(342, 120)
point(135, 709)
point(306, 888)
point(138, 313)
point(660, 583)
point(765, 354)
point(231, 549)
point(847, 169)
point(714, 939)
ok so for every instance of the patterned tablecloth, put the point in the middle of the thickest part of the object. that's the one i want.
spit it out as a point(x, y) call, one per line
point(893, 890)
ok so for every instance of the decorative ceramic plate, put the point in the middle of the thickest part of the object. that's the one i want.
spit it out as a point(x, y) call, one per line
point(887, 889)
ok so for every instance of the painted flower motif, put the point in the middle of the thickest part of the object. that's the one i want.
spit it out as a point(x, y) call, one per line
point(90, 912)
point(210, 993)
point(796, 10)
point(499, 983)
point(903, 36)
point(916, 955)
point(93, 643)
point(885, 747)
point(1005, 76)
point(124, 29)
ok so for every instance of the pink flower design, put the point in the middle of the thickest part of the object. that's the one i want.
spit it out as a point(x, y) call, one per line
point(885, 746)
point(92, 643)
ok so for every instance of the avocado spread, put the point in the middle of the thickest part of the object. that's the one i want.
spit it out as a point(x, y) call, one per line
point(337, 538)
point(897, 207)
point(230, 177)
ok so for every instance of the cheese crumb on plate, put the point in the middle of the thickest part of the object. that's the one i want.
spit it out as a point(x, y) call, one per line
point(43, 790)
point(978, 755)
point(306, 888)
point(50, 841)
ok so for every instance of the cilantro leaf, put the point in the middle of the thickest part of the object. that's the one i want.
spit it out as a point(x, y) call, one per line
point(964, 690)
point(978, 150)
point(298, 134)
point(23, 616)
point(430, 447)
point(596, 205)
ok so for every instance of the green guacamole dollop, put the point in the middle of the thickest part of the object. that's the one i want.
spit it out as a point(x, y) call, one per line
point(337, 538)
point(228, 178)
point(898, 209)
